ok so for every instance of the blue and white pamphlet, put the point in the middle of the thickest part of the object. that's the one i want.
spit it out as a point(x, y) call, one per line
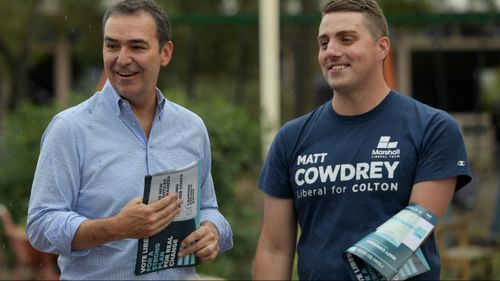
point(392, 251)
point(159, 251)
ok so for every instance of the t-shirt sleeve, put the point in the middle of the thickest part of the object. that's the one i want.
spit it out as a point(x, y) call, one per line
point(275, 176)
point(443, 153)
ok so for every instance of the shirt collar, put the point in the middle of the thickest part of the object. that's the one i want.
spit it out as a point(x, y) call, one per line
point(114, 100)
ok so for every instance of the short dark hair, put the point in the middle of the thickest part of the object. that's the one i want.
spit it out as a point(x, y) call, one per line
point(129, 7)
point(370, 8)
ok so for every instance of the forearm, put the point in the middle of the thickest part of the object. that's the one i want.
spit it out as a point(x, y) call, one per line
point(277, 242)
point(273, 265)
point(435, 195)
point(136, 220)
point(95, 232)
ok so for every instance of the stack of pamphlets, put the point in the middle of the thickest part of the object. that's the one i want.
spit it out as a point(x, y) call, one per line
point(392, 252)
point(160, 251)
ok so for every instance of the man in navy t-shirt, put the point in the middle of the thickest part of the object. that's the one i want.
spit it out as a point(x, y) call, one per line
point(344, 169)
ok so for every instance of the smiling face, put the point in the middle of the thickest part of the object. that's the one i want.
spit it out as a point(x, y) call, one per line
point(349, 55)
point(132, 55)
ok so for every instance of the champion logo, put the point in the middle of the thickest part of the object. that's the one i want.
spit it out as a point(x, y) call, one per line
point(386, 148)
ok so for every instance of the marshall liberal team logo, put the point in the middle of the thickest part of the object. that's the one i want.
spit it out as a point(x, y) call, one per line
point(386, 148)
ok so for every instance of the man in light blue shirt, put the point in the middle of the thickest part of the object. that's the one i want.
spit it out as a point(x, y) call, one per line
point(86, 200)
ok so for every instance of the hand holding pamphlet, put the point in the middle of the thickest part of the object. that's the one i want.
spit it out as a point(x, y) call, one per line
point(160, 251)
point(392, 252)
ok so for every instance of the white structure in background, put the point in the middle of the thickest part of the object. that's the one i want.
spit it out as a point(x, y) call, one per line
point(269, 16)
point(466, 5)
point(230, 7)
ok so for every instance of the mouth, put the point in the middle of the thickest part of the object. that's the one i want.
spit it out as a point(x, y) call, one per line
point(126, 74)
point(337, 67)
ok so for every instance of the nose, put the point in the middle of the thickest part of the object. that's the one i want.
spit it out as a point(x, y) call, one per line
point(123, 57)
point(333, 49)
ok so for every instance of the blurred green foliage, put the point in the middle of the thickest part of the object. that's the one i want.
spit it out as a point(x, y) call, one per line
point(19, 148)
point(235, 141)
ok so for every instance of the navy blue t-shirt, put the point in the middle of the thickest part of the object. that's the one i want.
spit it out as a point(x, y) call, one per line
point(349, 174)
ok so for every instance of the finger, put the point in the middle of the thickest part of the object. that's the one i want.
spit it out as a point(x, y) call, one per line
point(209, 252)
point(160, 215)
point(152, 214)
point(208, 258)
point(188, 250)
point(163, 202)
point(203, 236)
point(135, 201)
point(197, 241)
point(171, 210)
point(165, 220)
point(163, 217)
point(193, 237)
point(193, 242)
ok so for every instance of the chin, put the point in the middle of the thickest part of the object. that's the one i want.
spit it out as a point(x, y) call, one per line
point(335, 85)
point(125, 92)
point(338, 87)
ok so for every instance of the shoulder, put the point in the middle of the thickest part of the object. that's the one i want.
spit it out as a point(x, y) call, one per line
point(66, 127)
point(421, 112)
point(185, 115)
point(303, 123)
point(293, 132)
point(76, 115)
point(180, 119)
point(407, 101)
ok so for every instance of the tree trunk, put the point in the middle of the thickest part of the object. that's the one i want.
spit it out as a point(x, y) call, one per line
point(21, 81)
point(5, 94)
point(305, 95)
point(4, 90)
point(241, 69)
point(17, 66)
point(192, 68)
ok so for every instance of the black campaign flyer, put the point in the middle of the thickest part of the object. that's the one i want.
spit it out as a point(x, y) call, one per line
point(159, 251)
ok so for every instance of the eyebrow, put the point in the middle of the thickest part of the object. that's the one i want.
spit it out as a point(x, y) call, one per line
point(338, 34)
point(132, 41)
point(346, 32)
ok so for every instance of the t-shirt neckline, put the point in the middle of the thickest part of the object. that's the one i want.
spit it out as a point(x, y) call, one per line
point(362, 117)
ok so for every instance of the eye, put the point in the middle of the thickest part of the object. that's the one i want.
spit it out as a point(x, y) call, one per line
point(323, 44)
point(347, 40)
point(111, 46)
point(138, 47)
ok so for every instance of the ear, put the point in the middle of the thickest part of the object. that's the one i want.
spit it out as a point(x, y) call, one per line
point(384, 45)
point(166, 53)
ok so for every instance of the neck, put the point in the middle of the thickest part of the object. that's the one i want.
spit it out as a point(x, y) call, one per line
point(145, 113)
point(359, 101)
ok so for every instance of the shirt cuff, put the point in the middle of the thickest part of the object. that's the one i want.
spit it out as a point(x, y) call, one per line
point(63, 237)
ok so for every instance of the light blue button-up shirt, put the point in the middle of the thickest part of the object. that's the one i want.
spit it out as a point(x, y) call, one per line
point(92, 162)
